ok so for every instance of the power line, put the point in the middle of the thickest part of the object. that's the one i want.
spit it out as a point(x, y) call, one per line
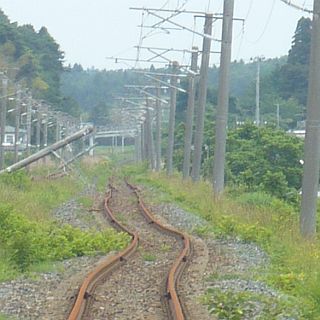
point(267, 23)
point(289, 3)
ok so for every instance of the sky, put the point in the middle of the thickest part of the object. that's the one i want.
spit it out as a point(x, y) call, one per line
point(90, 31)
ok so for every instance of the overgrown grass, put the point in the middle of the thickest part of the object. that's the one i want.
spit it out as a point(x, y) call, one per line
point(35, 199)
point(258, 218)
point(30, 239)
point(97, 171)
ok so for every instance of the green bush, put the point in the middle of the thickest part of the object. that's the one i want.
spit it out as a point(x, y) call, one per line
point(27, 242)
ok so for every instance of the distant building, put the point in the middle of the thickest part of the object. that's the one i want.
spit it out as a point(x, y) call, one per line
point(298, 133)
point(9, 138)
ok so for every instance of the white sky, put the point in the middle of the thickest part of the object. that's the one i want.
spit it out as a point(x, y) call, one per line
point(90, 31)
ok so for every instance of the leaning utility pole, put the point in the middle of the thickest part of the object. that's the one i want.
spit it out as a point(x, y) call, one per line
point(223, 99)
point(310, 181)
point(190, 112)
point(202, 100)
point(172, 115)
point(3, 119)
point(50, 149)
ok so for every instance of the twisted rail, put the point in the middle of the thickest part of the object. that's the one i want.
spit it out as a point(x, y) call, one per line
point(87, 288)
point(89, 284)
point(176, 270)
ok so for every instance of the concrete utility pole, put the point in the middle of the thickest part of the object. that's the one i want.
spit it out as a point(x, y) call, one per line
point(38, 129)
point(149, 134)
point(258, 93)
point(137, 143)
point(143, 144)
point(223, 99)
point(158, 128)
point(190, 113)
point(29, 121)
point(202, 100)
point(172, 115)
point(45, 130)
point(58, 132)
point(3, 120)
point(310, 181)
point(17, 124)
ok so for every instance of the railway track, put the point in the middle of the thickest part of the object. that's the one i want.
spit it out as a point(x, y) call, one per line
point(171, 305)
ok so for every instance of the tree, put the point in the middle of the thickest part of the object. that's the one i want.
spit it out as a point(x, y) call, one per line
point(292, 78)
point(257, 156)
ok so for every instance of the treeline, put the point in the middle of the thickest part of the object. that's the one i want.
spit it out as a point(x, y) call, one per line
point(34, 59)
point(96, 91)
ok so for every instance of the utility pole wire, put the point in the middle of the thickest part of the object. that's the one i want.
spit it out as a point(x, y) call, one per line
point(183, 27)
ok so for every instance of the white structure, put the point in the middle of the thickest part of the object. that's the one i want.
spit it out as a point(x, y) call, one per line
point(9, 138)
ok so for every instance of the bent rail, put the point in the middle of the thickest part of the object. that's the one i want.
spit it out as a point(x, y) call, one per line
point(179, 264)
point(104, 268)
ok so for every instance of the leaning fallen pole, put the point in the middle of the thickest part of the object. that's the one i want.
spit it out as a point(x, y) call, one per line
point(46, 151)
point(77, 156)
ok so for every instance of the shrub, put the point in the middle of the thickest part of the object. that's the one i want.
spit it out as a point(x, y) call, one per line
point(29, 242)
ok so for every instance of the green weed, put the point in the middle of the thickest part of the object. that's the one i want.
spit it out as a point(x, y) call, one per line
point(146, 256)
point(231, 305)
point(86, 202)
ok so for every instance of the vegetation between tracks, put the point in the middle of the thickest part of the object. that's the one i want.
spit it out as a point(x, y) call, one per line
point(254, 217)
point(28, 233)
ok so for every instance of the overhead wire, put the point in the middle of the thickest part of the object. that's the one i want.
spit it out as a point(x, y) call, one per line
point(295, 6)
point(241, 34)
point(266, 24)
point(156, 30)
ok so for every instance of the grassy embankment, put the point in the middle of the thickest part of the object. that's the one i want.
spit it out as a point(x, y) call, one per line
point(30, 239)
point(258, 218)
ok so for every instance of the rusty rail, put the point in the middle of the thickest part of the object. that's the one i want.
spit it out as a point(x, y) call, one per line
point(85, 292)
point(89, 284)
point(179, 264)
